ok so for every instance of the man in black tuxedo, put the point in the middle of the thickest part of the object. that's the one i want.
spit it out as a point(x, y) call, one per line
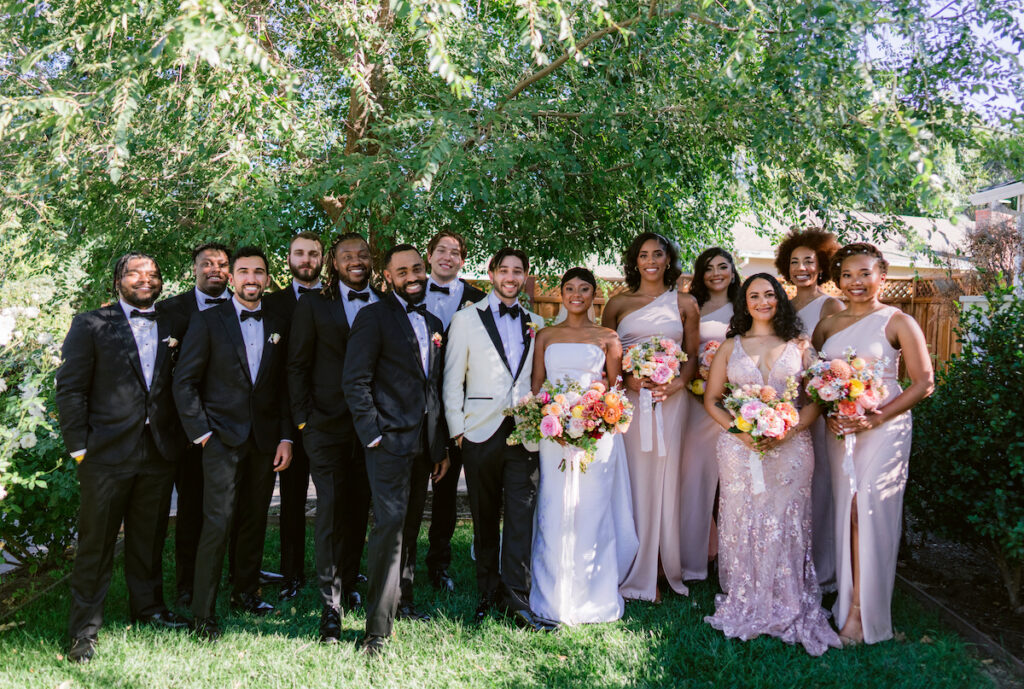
point(231, 393)
point(119, 422)
point(305, 259)
point(210, 267)
point(446, 294)
point(392, 384)
point(316, 360)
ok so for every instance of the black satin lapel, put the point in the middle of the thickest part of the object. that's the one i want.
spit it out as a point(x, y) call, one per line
point(234, 328)
point(124, 333)
point(492, 329)
point(410, 335)
point(271, 326)
point(337, 309)
point(162, 333)
point(527, 342)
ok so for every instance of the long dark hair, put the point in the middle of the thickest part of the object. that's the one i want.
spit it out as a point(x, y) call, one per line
point(786, 323)
point(698, 289)
point(672, 271)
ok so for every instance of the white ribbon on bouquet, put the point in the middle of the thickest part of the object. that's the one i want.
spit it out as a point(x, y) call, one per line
point(755, 463)
point(649, 407)
point(850, 442)
point(573, 457)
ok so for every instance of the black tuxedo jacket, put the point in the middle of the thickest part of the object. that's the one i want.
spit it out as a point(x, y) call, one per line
point(184, 304)
point(385, 387)
point(471, 293)
point(101, 392)
point(282, 302)
point(212, 386)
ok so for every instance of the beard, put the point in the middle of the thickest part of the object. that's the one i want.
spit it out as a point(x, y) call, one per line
point(133, 298)
point(304, 273)
point(412, 298)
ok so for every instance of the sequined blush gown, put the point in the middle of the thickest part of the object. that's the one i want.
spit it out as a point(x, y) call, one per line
point(764, 540)
point(880, 459)
point(584, 539)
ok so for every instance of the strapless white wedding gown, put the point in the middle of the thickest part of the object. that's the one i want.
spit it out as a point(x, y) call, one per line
point(584, 538)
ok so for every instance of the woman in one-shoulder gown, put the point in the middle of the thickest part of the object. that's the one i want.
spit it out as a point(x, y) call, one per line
point(654, 308)
point(715, 284)
point(584, 538)
point(869, 504)
point(765, 536)
point(803, 259)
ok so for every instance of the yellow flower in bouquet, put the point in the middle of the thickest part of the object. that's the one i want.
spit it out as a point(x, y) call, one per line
point(856, 388)
point(743, 424)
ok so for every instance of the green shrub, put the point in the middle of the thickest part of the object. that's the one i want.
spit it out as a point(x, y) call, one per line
point(967, 472)
point(38, 486)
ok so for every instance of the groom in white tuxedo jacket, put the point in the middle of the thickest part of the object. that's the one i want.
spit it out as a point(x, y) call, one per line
point(488, 366)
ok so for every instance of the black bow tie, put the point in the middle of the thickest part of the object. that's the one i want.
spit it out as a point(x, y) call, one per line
point(361, 296)
point(215, 300)
point(421, 309)
point(504, 310)
point(246, 315)
point(304, 290)
point(439, 288)
point(148, 315)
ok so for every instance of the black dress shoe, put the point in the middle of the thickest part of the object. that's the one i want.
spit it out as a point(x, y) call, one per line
point(361, 578)
point(270, 578)
point(409, 612)
point(165, 619)
point(524, 619)
point(330, 625)
point(442, 581)
point(372, 646)
point(82, 649)
point(247, 602)
point(184, 598)
point(291, 588)
point(483, 609)
point(353, 600)
point(206, 628)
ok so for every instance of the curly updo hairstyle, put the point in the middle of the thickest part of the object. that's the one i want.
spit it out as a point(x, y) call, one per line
point(855, 249)
point(583, 274)
point(629, 268)
point(698, 289)
point(821, 242)
point(786, 323)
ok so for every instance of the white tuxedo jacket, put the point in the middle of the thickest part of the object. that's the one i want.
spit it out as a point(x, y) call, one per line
point(478, 383)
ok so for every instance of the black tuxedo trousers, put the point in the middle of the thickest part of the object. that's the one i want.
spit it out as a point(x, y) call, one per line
point(137, 492)
point(338, 469)
point(502, 478)
point(238, 483)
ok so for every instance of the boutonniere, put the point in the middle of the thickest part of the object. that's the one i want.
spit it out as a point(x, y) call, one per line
point(437, 339)
point(531, 329)
point(170, 342)
point(274, 338)
point(466, 304)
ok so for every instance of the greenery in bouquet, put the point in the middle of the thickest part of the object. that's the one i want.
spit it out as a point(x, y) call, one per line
point(570, 414)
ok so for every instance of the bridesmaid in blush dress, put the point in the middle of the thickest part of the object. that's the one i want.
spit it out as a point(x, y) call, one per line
point(869, 504)
point(653, 307)
point(715, 284)
point(803, 258)
point(765, 537)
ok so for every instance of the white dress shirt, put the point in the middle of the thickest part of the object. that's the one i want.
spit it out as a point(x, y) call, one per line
point(296, 285)
point(419, 326)
point(352, 306)
point(145, 332)
point(511, 332)
point(444, 305)
point(202, 296)
point(252, 335)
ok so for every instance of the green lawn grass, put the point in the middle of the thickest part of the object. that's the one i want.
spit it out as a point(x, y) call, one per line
point(652, 646)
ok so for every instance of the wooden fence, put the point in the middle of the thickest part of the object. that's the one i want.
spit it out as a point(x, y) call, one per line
point(931, 302)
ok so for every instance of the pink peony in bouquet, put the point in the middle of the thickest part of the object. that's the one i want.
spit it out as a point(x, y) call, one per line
point(759, 410)
point(848, 386)
point(704, 357)
point(658, 358)
point(569, 414)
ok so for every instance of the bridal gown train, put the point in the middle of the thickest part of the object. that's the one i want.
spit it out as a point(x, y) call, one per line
point(584, 539)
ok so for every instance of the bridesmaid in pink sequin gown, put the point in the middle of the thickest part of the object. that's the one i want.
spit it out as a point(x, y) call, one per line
point(869, 505)
point(764, 551)
point(803, 258)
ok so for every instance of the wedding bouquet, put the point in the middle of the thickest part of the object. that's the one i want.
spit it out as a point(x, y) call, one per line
point(759, 411)
point(847, 386)
point(659, 360)
point(569, 414)
point(704, 356)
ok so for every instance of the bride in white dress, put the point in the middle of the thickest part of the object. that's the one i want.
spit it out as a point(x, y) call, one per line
point(584, 540)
